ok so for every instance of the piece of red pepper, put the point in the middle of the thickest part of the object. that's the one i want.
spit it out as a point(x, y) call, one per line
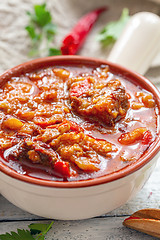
point(62, 168)
point(80, 89)
point(74, 40)
point(75, 127)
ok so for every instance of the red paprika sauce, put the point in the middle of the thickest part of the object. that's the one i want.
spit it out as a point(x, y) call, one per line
point(72, 123)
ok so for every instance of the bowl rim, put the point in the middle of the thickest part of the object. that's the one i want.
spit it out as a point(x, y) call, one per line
point(127, 73)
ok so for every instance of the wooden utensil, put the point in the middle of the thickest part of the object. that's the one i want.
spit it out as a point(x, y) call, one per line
point(146, 221)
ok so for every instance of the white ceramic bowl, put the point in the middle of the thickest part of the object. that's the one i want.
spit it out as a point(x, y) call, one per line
point(86, 198)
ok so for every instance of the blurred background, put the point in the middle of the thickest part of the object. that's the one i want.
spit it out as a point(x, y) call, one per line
point(15, 43)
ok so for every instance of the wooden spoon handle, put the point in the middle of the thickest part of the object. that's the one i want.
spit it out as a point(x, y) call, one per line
point(146, 221)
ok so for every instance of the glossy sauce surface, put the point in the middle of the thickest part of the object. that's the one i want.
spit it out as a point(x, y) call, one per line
point(54, 124)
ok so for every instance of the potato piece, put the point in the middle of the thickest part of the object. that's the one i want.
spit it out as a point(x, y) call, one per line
point(132, 137)
point(26, 115)
point(61, 73)
point(137, 105)
point(12, 123)
point(4, 105)
point(86, 164)
point(148, 101)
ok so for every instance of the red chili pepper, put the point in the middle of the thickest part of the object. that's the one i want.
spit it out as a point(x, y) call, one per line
point(62, 168)
point(74, 40)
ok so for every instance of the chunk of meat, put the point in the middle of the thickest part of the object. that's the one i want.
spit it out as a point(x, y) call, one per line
point(49, 115)
point(83, 159)
point(72, 145)
point(29, 128)
point(53, 131)
point(81, 149)
point(37, 152)
point(101, 99)
point(48, 135)
point(13, 132)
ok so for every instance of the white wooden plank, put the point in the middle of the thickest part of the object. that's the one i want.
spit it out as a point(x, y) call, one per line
point(93, 229)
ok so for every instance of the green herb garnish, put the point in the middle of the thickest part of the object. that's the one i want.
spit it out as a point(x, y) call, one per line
point(111, 32)
point(54, 51)
point(41, 31)
point(37, 231)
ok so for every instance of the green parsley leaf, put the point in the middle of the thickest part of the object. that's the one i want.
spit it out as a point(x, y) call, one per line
point(37, 229)
point(41, 31)
point(54, 52)
point(32, 33)
point(20, 235)
point(111, 32)
point(42, 16)
point(40, 228)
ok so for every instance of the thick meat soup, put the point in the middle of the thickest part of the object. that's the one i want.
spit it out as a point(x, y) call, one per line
point(74, 123)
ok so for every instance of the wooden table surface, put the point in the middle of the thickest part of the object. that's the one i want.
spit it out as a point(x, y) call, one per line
point(108, 226)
